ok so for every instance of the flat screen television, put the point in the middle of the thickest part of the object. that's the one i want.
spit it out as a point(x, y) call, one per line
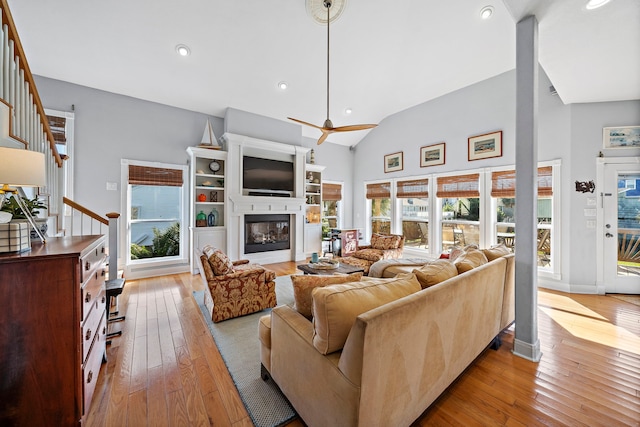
point(267, 177)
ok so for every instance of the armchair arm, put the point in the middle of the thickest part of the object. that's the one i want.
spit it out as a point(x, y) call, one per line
point(240, 262)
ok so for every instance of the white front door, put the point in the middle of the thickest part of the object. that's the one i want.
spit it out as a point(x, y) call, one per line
point(619, 198)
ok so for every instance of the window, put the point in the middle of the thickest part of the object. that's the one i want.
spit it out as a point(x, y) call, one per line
point(414, 199)
point(379, 195)
point(155, 199)
point(331, 206)
point(460, 210)
point(503, 191)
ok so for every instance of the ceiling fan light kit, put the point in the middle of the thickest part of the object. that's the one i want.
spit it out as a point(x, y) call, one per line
point(327, 128)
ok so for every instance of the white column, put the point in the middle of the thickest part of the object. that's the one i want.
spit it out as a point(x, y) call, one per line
point(526, 343)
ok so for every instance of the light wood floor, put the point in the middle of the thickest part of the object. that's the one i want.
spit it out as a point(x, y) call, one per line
point(165, 370)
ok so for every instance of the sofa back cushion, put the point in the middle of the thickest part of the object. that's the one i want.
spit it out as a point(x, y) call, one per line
point(219, 261)
point(384, 242)
point(336, 307)
point(303, 285)
point(469, 260)
point(435, 272)
point(496, 251)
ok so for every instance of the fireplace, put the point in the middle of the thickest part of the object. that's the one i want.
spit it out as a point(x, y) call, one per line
point(264, 233)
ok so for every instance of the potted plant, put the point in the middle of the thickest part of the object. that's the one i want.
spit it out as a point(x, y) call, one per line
point(33, 206)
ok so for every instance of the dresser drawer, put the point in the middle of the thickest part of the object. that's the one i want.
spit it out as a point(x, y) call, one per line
point(91, 259)
point(91, 368)
point(91, 324)
point(91, 289)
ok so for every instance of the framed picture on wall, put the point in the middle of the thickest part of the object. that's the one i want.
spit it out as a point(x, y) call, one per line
point(432, 155)
point(393, 162)
point(621, 137)
point(485, 146)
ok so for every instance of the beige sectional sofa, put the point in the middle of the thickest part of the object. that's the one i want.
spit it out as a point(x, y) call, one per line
point(354, 365)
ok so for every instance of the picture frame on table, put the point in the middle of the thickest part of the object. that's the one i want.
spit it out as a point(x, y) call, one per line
point(621, 137)
point(432, 155)
point(393, 162)
point(485, 146)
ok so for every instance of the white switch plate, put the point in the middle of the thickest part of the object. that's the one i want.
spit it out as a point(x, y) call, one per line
point(591, 201)
point(112, 186)
point(591, 223)
point(589, 212)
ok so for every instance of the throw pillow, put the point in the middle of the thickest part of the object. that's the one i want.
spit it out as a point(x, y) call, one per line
point(469, 260)
point(303, 285)
point(220, 262)
point(435, 272)
point(369, 254)
point(336, 307)
point(384, 242)
point(496, 251)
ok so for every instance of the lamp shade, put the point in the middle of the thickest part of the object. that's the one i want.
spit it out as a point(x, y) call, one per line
point(21, 168)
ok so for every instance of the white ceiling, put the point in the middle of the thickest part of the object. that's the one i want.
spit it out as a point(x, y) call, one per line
point(385, 56)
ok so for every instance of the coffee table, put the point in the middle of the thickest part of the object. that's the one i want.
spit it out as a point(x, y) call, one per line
point(342, 268)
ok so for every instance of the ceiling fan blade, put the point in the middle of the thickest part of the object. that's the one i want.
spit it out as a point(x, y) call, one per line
point(353, 127)
point(305, 123)
point(323, 137)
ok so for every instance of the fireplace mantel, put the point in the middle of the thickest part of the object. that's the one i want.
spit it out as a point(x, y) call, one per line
point(240, 205)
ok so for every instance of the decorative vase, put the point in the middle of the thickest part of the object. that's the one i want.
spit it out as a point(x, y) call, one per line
point(201, 219)
point(202, 198)
point(213, 218)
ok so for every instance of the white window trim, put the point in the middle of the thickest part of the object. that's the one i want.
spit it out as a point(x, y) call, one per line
point(162, 266)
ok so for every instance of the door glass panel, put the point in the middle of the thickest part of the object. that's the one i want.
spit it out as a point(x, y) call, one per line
point(628, 224)
point(415, 222)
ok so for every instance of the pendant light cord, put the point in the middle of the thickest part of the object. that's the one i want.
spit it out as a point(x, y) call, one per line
point(327, 4)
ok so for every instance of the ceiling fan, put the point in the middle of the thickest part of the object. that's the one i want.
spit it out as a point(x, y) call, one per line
point(327, 128)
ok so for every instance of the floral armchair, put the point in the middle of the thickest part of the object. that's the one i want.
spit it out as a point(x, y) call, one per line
point(235, 288)
point(383, 246)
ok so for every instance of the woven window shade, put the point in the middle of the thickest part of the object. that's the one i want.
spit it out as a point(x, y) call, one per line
point(458, 186)
point(381, 190)
point(331, 191)
point(503, 183)
point(145, 175)
point(412, 189)
point(58, 129)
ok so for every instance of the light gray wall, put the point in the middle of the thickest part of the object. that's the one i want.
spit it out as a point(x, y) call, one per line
point(111, 127)
point(571, 133)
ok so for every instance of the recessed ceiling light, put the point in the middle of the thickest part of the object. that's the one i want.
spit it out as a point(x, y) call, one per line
point(486, 12)
point(348, 111)
point(594, 4)
point(283, 85)
point(183, 50)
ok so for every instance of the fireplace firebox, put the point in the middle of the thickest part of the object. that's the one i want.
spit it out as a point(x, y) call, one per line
point(264, 233)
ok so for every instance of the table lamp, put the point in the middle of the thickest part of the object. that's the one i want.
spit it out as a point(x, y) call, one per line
point(21, 168)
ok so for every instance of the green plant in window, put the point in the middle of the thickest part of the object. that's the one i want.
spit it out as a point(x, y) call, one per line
point(165, 243)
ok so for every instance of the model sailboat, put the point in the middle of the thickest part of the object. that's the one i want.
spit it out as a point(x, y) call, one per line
point(209, 139)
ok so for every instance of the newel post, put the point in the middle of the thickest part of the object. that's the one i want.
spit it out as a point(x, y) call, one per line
point(113, 244)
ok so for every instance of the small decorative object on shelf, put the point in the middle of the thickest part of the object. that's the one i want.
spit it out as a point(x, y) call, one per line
point(212, 219)
point(214, 166)
point(213, 196)
point(201, 219)
point(202, 197)
point(309, 177)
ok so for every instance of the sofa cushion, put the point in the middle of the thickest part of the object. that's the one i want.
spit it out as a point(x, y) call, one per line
point(220, 262)
point(384, 242)
point(336, 307)
point(369, 254)
point(435, 272)
point(304, 284)
point(496, 251)
point(469, 260)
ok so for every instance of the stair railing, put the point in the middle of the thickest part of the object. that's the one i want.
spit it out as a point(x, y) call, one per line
point(83, 221)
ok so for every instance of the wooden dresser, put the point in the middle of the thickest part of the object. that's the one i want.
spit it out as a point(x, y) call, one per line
point(52, 330)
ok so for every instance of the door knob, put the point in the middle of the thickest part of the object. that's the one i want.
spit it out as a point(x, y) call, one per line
point(609, 235)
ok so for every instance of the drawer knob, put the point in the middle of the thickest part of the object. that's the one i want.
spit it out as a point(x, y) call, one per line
point(89, 377)
point(87, 336)
point(104, 299)
point(104, 330)
point(102, 273)
point(87, 266)
point(87, 297)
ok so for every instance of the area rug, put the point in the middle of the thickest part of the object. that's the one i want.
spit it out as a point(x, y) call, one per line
point(238, 343)
point(633, 299)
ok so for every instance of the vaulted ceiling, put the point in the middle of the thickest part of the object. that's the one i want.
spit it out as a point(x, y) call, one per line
point(385, 56)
